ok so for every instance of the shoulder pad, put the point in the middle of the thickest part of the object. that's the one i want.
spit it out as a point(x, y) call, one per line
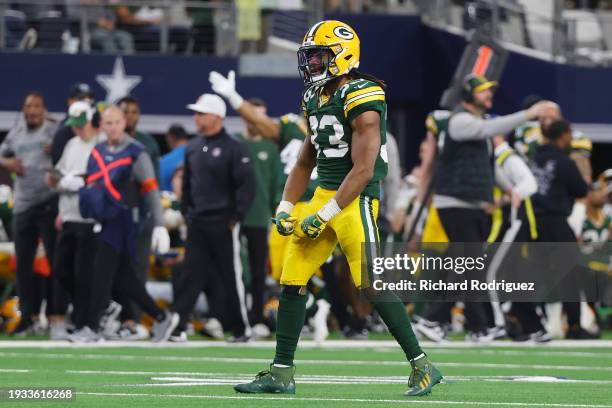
point(360, 91)
point(441, 114)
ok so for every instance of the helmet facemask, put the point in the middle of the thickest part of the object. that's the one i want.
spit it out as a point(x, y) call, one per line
point(316, 64)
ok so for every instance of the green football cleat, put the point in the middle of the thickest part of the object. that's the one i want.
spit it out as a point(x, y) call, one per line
point(422, 378)
point(277, 380)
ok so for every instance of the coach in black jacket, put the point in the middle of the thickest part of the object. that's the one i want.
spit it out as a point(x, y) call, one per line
point(218, 188)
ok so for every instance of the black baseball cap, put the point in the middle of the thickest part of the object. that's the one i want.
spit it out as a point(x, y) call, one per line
point(80, 90)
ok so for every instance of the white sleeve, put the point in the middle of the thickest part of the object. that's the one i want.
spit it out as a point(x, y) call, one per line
point(521, 177)
point(502, 180)
point(464, 126)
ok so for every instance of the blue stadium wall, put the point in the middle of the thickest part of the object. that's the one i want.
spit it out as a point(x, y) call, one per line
point(416, 61)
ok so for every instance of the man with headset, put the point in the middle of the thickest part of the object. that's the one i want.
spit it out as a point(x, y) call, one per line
point(464, 183)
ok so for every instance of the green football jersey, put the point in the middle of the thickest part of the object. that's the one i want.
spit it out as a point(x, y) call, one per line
point(329, 119)
point(437, 122)
point(596, 244)
point(581, 144)
point(527, 137)
point(291, 139)
point(596, 234)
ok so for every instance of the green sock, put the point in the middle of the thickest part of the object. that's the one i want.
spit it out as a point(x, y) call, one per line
point(291, 315)
point(393, 313)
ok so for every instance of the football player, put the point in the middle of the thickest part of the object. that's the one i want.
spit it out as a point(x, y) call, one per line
point(346, 113)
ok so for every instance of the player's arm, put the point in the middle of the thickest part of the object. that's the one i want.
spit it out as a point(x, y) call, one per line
point(364, 151)
point(427, 166)
point(584, 166)
point(265, 125)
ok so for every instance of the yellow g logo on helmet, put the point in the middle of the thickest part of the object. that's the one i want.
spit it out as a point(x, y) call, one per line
point(330, 49)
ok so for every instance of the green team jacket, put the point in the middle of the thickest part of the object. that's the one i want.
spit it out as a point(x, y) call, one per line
point(267, 169)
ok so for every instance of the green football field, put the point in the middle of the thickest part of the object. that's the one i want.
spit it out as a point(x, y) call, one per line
point(341, 374)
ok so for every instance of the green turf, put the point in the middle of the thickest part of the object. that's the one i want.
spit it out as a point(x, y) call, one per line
point(134, 377)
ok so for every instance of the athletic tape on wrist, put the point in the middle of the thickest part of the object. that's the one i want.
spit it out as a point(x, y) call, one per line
point(329, 210)
point(284, 206)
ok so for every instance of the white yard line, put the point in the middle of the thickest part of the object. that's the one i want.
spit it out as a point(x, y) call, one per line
point(364, 380)
point(329, 344)
point(324, 379)
point(14, 370)
point(420, 401)
point(265, 361)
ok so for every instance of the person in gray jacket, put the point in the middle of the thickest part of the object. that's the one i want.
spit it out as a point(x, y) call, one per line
point(464, 185)
point(76, 241)
point(25, 152)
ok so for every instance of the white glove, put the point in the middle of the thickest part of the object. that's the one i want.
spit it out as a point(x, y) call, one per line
point(160, 241)
point(226, 87)
point(71, 182)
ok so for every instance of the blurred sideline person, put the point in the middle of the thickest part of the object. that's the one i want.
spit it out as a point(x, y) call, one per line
point(429, 227)
point(146, 223)
point(25, 152)
point(76, 242)
point(254, 227)
point(464, 185)
point(390, 188)
point(120, 175)
point(530, 135)
point(515, 185)
point(176, 139)
point(218, 189)
point(560, 183)
point(606, 178)
point(596, 239)
point(78, 92)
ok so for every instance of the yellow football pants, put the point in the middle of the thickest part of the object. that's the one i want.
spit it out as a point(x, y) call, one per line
point(278, 244)
point(355, 225)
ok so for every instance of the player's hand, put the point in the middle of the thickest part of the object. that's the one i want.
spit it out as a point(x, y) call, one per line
point(540, 109)
point(285, 223)
point(226, 87)
point(313, 225)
